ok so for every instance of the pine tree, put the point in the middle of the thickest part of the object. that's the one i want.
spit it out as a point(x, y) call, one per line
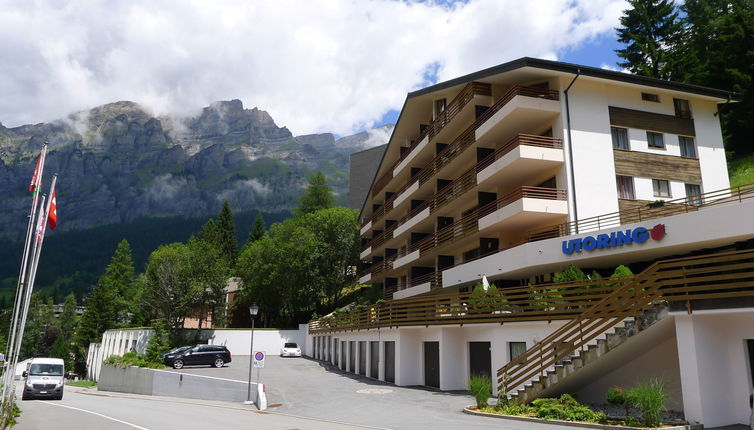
point(651, 31)
point(317, 195)
point(119, 281)
point(227, 234)
point(68, 318)
point(257, 229)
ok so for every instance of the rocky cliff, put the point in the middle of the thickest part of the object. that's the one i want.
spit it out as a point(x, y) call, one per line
point(118, 162)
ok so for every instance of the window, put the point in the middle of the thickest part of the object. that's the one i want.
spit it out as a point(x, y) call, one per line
point(682, 108)
point(625, 187)
point(649, 97)
point(439, 107)
point(661, 188)
point(693, 194)
point(620, 138)
point(654, 140)
point(515, 349)
point(687, 146)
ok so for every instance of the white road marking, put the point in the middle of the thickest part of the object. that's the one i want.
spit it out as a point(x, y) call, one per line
point(138, 427)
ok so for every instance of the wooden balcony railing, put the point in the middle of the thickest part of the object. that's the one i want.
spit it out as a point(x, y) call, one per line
point(521, 139)
point(466, 138)
point(628, 216)
point(712, 276)
point(434, 279)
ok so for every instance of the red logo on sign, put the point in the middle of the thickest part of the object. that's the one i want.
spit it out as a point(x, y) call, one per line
point(657, 232)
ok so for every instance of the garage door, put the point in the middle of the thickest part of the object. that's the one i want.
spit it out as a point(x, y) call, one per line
point(390, 361)
point(432, 364)
point(374, 359)
point(362, 358)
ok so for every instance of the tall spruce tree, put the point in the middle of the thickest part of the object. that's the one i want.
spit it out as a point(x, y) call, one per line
point(651, 30)
point(227, 235)
point(718, 52)
point(119, 279)
point(317, 195)
point(257, 229)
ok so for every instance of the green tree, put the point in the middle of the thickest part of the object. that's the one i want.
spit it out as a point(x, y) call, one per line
point(650, 29)
point(119, 281)
point(170, 293)
point(718, 52)
point(317, 195)
point(572, 273)
point(257, 229)
point(68, 318)
point(209, 273)
point(227, 235)
point(40, 330)
point(301, 265)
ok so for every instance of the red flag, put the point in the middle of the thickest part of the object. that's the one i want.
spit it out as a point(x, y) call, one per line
point(52, 217)
point(33, 184)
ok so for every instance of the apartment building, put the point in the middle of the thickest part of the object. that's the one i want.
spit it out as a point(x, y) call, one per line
point(512, 173)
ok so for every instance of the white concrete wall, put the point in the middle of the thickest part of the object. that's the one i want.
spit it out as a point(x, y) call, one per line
point(454, 348)
point(238, 342)
point(592, 149)
point(714, 367)
point(709, 146)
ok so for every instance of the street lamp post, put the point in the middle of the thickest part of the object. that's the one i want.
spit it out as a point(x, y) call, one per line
point(253, 310)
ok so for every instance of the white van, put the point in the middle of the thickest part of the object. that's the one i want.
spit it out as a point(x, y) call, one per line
point(44, 378)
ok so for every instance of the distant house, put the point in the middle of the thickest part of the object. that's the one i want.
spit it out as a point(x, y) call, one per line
point(204, 311)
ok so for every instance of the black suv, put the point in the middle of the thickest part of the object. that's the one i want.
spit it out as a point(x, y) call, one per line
point(213, 355)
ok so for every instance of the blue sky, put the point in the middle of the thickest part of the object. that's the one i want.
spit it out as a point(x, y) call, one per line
point(597, 52)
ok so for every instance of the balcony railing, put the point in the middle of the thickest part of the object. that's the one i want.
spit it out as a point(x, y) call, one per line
point(466, 138)
point(455, 106)
point(521, 139)
point(651, 211)
point(434, 279)
point(465, 182)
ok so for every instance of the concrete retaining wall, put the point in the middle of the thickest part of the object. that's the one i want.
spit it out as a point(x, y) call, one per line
point(138, 380)
point(134, 380)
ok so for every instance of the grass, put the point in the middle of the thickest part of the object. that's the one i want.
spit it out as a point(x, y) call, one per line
point(741, 170)
point(85, 384)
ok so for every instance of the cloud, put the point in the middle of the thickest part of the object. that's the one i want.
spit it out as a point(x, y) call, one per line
point(165, 187)
point(332, 66)
point(378, 136)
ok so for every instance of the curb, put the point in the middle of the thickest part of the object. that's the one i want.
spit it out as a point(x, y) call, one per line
point(575, 423)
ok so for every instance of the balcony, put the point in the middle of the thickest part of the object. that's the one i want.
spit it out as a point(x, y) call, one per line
point(462, 107)
point(524, 208)
point(521, 108)
point(521, 159)
point(537, 103)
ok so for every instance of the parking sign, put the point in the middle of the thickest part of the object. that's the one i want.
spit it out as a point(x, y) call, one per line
point(259, 358)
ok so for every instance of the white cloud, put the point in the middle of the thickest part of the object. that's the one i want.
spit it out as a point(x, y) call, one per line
point(378, 136)
point(165, 187)
point(333, 66)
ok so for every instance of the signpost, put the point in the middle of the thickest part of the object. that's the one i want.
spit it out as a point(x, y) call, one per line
point(259, 357)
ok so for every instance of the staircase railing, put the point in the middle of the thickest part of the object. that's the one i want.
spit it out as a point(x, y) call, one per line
point(711, 276)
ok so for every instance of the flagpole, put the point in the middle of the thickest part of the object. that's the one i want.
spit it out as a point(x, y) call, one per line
point(35, 259)
point(8, 377)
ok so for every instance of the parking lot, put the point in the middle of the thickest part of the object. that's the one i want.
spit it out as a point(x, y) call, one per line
point(305, 387)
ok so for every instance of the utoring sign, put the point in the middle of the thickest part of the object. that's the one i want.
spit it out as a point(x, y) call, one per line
point(614, 239)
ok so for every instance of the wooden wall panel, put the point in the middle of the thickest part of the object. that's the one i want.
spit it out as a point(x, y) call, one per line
point(657, 166)
point(651, 121)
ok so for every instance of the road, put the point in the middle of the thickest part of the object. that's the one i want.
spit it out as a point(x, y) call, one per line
point(83, 408)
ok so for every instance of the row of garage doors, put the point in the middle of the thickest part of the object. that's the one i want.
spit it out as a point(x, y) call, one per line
point(343, 354)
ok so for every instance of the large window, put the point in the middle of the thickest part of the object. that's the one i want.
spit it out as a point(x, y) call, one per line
point(682, 108)
point(515, 349)
point(654, 140)
point(620, 138)
point(693, 194)
point(661, 188)
point(625, 187)
point(687, 146)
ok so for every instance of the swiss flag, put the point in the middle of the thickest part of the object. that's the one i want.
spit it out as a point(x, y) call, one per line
point(52, 217)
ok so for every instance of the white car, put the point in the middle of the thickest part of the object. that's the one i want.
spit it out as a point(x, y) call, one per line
point(290, 349)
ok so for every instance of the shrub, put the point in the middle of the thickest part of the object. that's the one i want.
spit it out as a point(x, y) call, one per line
point(480, 387)
point(159, 342)
point(649, 397)
point(618, 397)
point(133, 359)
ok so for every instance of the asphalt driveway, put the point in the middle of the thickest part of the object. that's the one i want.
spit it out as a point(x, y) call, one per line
point(308, 388)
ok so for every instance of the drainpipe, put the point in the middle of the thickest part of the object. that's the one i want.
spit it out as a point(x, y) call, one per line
point(572, 188)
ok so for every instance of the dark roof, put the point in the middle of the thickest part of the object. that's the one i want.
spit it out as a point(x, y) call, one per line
point(583, 70)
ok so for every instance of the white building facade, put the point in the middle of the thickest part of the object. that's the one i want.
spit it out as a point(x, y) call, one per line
point(515, 172)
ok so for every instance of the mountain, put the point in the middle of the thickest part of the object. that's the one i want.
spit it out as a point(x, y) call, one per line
point(118, 163)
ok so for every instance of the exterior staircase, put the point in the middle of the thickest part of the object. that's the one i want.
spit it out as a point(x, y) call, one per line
point(629, 307)
point(572, 364)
